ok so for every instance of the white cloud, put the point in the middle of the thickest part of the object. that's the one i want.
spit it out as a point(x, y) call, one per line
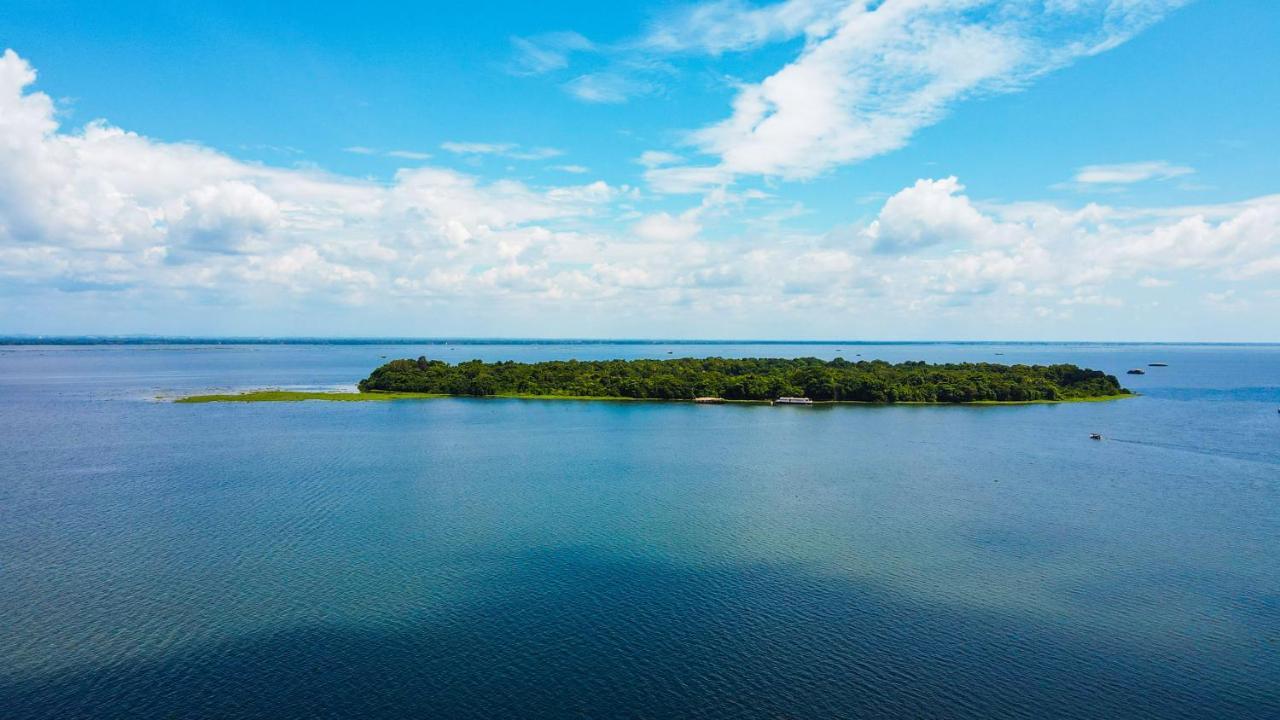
point(655, 158)
point(730, 25)
point(477, 148)
point(507, 150)
point(131, 221)
point(102, 207)
point(543, 53)
point(399, 154)
point(664, 227)
point(1126, 173)
point(227, 216)
point(1226, 300)
point(931, 212)
point(574, 169)
point(875, 73)
point(409, 154)
point(608, 87)
point(685, 179)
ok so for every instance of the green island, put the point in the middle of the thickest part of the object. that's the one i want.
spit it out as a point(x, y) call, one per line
point(721, 380)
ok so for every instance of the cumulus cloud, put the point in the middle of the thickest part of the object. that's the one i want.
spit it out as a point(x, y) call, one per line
point(104, 207)
point(110, 217)
point(930, 213)
point(664, 227)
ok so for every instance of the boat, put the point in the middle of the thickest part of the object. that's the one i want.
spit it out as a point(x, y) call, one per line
point(1157, 364)
point(709, 400)
point(1095, 436)
point(793, 401)
point(1137, 371)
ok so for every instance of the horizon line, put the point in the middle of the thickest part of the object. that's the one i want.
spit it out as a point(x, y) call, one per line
point(149, 339)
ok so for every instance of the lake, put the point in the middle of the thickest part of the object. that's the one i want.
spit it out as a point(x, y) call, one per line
point(482, 558)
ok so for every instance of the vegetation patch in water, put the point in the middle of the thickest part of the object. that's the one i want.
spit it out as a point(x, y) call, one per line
point(297, 396)
point(838, 380)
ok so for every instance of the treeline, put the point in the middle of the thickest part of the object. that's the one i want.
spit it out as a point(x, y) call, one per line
point(748, 379)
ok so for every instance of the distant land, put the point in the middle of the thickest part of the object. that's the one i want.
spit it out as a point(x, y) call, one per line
point(275, 340)
point(727, 379)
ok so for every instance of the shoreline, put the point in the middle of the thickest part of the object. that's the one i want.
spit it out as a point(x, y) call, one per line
point(268, 395)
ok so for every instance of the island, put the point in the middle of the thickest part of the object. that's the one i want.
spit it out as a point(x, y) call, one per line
point(721, 379)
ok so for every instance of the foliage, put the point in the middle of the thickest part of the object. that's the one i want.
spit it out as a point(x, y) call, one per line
point(748, 379)
point(295, 396)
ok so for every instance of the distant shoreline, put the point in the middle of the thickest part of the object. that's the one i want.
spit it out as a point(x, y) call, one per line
point(139, 340)
point(255, 396)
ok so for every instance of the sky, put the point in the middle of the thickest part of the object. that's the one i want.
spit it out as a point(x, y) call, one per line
point(802, 169)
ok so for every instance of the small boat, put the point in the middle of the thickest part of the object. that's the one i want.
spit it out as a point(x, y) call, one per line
point(1095, 436)
point(793, 401)
point(709, 400)
point(1137, 371)
point(1157, 364)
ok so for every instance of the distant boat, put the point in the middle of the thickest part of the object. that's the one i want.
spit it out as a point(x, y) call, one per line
point(793, 401)
point(1137, 371)
point(1157, 364)
point(1095, 436)
point(709, 400)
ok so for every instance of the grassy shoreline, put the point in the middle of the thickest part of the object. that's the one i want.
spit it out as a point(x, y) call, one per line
point(338, 396)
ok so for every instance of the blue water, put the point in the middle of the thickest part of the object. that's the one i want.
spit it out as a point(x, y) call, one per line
point(532, 559)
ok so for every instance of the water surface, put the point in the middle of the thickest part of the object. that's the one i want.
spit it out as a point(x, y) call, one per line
point(515, 558)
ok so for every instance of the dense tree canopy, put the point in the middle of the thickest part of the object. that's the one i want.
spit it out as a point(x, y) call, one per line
point(748, 379)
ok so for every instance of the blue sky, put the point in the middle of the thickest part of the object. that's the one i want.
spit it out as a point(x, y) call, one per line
point(914, 169)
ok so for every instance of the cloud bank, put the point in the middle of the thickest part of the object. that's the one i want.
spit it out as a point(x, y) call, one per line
point(104, 219)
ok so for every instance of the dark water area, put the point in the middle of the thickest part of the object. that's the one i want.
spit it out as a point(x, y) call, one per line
point(535, 559)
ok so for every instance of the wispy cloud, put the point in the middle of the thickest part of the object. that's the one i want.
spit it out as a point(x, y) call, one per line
point(656, 158)
point(721, 26)
point(873, 73)
point(611, 87)
point(544, 53)
point(506, 150)
point(399, 154)
point(1128, 173)
point(408, 154)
